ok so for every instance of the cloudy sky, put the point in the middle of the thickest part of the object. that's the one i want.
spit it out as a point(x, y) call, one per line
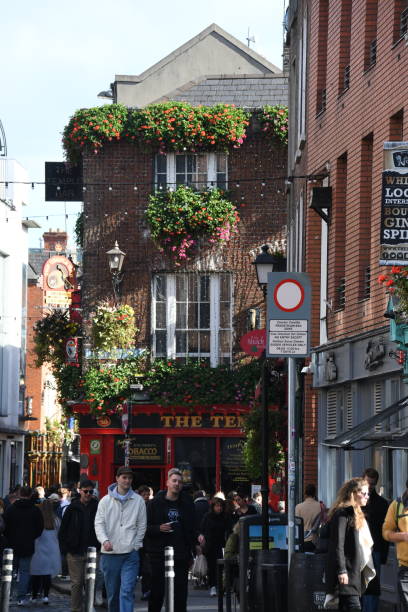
point(57, 56)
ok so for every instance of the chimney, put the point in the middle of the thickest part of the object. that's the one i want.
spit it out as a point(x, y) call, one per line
point(55, 240)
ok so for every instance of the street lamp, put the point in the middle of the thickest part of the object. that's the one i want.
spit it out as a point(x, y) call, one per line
point(115, 260)
point(265, 263)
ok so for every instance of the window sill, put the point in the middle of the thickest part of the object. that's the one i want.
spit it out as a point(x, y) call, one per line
point(369, 68)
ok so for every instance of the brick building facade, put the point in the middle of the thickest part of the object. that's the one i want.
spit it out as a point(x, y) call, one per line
point(351, 78)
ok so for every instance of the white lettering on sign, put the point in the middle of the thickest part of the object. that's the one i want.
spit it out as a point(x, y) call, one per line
point(288, 336)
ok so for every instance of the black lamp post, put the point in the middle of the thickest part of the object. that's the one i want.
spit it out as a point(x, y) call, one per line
point(115, 260)
point(265, 262)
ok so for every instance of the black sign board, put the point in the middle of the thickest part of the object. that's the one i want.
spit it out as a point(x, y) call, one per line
point(142, 450)
point(63, 182)
point(233, 470)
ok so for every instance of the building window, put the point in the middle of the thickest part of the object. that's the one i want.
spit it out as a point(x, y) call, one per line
point(370, 33)
point(192, 317)
point(321, 93)
point(400, 19)
point(198, 170)
point(364, 216)
point(345, 43)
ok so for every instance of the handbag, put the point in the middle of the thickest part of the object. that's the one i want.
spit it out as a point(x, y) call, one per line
point(200, 567)
point(323, 537)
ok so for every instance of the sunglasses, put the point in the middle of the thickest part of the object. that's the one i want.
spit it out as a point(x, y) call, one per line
point(365, 493)
point(87, 491)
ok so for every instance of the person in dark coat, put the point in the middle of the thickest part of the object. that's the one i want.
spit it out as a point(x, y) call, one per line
point(170, 522)
point(214, 527)
point(201, 507)
point(349, 561)
point(77, 532)
point(24, 524)
point(375, 512)
point(242, 508)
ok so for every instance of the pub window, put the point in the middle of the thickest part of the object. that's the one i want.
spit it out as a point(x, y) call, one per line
point(192, 317)
point(195, 457)
point(198, 170)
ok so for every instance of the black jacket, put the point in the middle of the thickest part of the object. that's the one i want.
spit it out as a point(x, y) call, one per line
point(375, 512)
point(343, 554)
point(24, 524)
point(214, 528)
point(157, 513)
point(77, 530)
point(201, 507)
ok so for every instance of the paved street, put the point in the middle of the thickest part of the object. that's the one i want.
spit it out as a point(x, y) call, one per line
point(60, 602)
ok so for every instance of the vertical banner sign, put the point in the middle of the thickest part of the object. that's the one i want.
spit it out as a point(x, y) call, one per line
point(394, 205)
point(288, 306)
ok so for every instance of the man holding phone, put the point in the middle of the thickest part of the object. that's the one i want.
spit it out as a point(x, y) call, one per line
point(170, 522)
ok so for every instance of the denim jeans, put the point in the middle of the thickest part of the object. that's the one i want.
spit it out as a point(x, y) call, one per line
point(24, 576)
point(120, 573)
point(370, 603)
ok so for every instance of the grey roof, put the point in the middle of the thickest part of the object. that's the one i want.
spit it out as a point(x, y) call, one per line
point(248, 91)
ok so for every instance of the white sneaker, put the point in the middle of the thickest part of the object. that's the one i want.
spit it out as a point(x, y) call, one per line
point(45, 601)
point(213, 592)
point(98, 599)
point(23, 602)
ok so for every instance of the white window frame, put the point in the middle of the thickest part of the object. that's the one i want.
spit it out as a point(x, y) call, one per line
point(215, 356)
point(212, 177)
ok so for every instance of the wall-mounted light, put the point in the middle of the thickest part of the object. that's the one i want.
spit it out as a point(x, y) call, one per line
point(115, 260)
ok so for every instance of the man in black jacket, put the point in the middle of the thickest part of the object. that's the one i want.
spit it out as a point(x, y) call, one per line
point(76, 533)
point(170, 522)
point(24, 524)
point(375, 511)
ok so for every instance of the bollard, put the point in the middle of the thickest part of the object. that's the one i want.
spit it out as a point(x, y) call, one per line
point(6, 577)
point(90, 575)
point(169, 578)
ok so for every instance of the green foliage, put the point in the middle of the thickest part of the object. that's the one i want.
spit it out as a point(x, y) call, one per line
point(274, 122)
point(253, 442)
point(58, 432)
point(79, 230)
point(171, 383)
point(50, 336)
point(113, 327)
point(179, 218)
point(93, 127)
point(106, 386)
point(168, 126)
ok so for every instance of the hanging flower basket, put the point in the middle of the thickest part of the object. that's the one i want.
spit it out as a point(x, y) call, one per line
point(113, 327)
point(179, 219)
point(396, 283)
point(274, 122)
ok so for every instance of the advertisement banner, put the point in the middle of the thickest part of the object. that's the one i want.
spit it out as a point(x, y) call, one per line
point(394, 205)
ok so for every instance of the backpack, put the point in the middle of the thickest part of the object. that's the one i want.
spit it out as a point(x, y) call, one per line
point(399, 506)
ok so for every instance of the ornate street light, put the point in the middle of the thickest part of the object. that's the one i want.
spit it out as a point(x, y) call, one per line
point(266, 262)
point(115, 260)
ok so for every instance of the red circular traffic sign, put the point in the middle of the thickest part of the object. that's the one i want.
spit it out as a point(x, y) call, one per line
point(289, 295)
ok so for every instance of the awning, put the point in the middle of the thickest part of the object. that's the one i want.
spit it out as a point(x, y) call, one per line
point(363, 430)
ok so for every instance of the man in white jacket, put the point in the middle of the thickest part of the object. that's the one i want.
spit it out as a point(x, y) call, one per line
point(120, 525)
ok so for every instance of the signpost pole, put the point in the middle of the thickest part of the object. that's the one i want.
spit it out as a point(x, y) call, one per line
point(291, 455)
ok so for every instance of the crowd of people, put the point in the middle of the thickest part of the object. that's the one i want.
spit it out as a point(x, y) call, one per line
point(50, 532)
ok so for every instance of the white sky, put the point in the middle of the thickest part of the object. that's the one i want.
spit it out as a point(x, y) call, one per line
point(57, 56)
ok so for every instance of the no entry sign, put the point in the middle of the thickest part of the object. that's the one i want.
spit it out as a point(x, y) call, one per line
point(288, 306)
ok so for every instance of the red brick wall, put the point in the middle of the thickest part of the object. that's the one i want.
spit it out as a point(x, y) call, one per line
point(34, 376)
point(119, 215)
point(366, 108)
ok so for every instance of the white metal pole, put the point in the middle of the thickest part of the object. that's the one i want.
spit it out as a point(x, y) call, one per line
point(291, 455)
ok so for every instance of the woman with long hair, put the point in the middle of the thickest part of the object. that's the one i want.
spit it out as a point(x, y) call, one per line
point(349, 562)
point(46, 560)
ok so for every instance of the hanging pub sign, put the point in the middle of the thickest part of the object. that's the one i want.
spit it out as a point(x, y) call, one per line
point(394, 205)
point(63, 182)
point(58, 278)
point(142, 449)
point(71, 351)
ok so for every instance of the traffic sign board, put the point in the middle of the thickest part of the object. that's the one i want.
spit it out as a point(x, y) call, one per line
point(288, 306)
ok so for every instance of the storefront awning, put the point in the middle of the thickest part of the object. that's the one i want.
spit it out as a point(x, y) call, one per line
point(364, 430)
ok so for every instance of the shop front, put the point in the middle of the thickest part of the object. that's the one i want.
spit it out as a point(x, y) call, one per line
point(206, 444)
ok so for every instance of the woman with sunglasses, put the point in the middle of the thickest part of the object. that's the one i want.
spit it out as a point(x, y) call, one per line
point(349, 561)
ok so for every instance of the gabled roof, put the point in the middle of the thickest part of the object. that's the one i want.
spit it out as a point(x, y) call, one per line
point(212, 52)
